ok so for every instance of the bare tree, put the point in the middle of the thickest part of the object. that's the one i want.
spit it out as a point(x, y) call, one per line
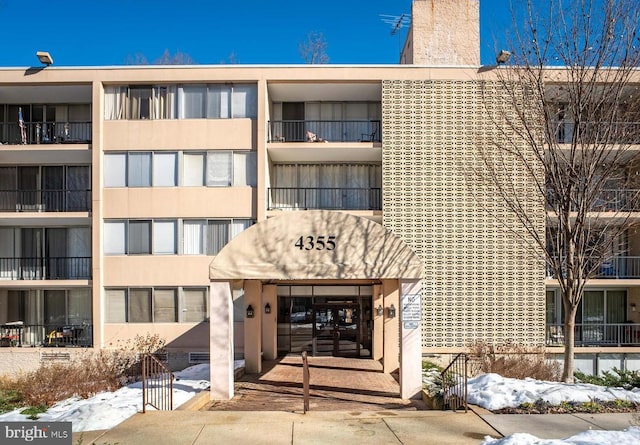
point(314, 49)
point(178, 58)
point(569, 100)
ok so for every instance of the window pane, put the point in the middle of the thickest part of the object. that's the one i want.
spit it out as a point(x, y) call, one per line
point(193, 169)
point(79, 306)
point(139, 237)
point(217, 236)
point(164, 306)
point(244, 169)
point(164, 237)
point(616, 306)
point(192, 237)
point(115, 305)
point(114, 238)
point(239, 225)
point(140, 305)
point(194, 305)
point(218, 169)
point(115, 170)
point(244, 101)
point(139, 169)
point(218, 101)
point(140, 101)
point(164, 169)
point(192, 100)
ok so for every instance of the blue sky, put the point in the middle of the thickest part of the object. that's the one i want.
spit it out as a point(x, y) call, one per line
point(106, 32)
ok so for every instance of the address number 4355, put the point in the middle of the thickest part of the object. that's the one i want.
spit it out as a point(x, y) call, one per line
point(316, 242)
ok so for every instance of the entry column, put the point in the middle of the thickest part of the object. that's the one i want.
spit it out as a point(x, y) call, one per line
point(253, 327)
point(221, 341)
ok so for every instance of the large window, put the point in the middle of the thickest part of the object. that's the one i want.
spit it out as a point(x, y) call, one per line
point(156, 305)
point(160, 237)
point(140, 237)
point(218, 168)
point(188, 101)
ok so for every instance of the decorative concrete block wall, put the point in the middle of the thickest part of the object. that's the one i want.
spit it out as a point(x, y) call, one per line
point(481, 281)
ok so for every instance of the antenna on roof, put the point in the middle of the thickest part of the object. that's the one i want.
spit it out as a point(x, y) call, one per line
point(397, 22)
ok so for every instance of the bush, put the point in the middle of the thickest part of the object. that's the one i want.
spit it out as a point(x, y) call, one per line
point(615, 378)
point(514, 361)
point(85, 376)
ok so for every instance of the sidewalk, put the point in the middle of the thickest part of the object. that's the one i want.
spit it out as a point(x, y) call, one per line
point(273, 428)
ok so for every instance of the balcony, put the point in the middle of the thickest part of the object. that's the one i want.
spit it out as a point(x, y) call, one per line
point(329, 131)
point(618, 267)
point(288, 198)
point(597, 334)
point(45, 200)
point(45, 268)
point(612, 200)
point(17, 334)
point(11, 133)
point(599, 132)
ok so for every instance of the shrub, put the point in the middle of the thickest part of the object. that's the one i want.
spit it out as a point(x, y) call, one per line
point(85, 376)
point(514, 361)
point(615, 378)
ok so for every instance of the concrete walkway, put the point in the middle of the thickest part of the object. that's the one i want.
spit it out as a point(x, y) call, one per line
point(274, 428)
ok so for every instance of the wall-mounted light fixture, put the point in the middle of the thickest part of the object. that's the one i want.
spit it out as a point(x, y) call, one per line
point(392, 311)
point(380, 310)
point(44, 57)
point(503, 57)
point(633, 307)
point(250, 313)
point(267, 308)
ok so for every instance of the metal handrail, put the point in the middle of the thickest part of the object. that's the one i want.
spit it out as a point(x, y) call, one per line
point(454, 383)
point(610, 200)
point(45, 268)
point(45, 133)
point(327, 198)
point(618, 132)
point(64, 200)
point(600, 334)
point(46, 335)
point(325, 130)
point(157, 384)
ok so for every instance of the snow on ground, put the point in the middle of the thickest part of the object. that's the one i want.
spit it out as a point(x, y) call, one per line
point(591, 437)
point(492, 391)
point(106, 410)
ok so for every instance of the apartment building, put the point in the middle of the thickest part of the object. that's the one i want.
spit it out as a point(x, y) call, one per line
point(254, 211)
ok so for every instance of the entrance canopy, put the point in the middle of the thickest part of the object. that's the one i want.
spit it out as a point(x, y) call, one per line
point(313, 245)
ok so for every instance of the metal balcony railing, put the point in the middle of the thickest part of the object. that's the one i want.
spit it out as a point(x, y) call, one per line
point(306, 198)
point(45, 133)
point(45, 200)
point(618, 267)
point(613, 200)
point(48, 335)
point(329, 131)
point(45, 268)
point(594, 132)
point(597, 334)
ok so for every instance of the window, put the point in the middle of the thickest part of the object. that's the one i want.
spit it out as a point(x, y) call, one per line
point(134, 237)
point(202, 237)
point(188, 101)
point(140, 169)
point(159, 305)
point(220, 169)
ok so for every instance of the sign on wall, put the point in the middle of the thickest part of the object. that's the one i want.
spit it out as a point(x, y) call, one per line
point(411, 310)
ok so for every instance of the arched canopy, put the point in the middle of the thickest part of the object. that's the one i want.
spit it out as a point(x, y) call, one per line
point(314, 245)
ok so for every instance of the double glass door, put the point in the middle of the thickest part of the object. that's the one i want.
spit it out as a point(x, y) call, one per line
point(336, 329)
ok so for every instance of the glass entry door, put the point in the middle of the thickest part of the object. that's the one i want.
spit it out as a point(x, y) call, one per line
point(336, 329)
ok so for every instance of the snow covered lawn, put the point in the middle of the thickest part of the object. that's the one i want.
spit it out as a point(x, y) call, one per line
point(106, 410)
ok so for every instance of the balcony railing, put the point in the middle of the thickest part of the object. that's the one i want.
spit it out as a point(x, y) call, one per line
point(45, 133)
point(45, 268)
point(45, 200)
point(618, 267)
point(614, 200)
point(597, 334)
point(329, 131)
point(594, 132)
point(46, 335)
point(325, 198)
